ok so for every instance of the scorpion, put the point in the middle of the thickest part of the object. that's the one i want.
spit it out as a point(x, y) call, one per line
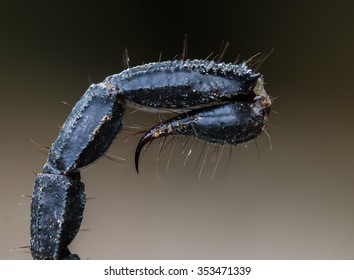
point(220, 103)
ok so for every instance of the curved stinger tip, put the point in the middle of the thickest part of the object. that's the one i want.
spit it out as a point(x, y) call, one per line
point(143, 141)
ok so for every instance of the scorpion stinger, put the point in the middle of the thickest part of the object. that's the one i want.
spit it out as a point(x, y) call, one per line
point(223, 104)
point(225, 124)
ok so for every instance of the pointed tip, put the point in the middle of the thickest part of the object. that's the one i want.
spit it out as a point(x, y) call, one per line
point(143, 141)
point(137, 153)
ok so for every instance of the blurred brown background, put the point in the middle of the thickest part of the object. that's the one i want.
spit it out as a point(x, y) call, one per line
point(294, 202)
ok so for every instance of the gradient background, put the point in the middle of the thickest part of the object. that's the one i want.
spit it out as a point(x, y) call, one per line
point(294, 202)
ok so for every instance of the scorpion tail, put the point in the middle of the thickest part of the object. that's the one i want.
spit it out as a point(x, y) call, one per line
point(57, 207)
point(229, 123)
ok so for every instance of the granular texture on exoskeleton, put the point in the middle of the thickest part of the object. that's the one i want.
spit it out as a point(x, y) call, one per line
point(219, 103)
